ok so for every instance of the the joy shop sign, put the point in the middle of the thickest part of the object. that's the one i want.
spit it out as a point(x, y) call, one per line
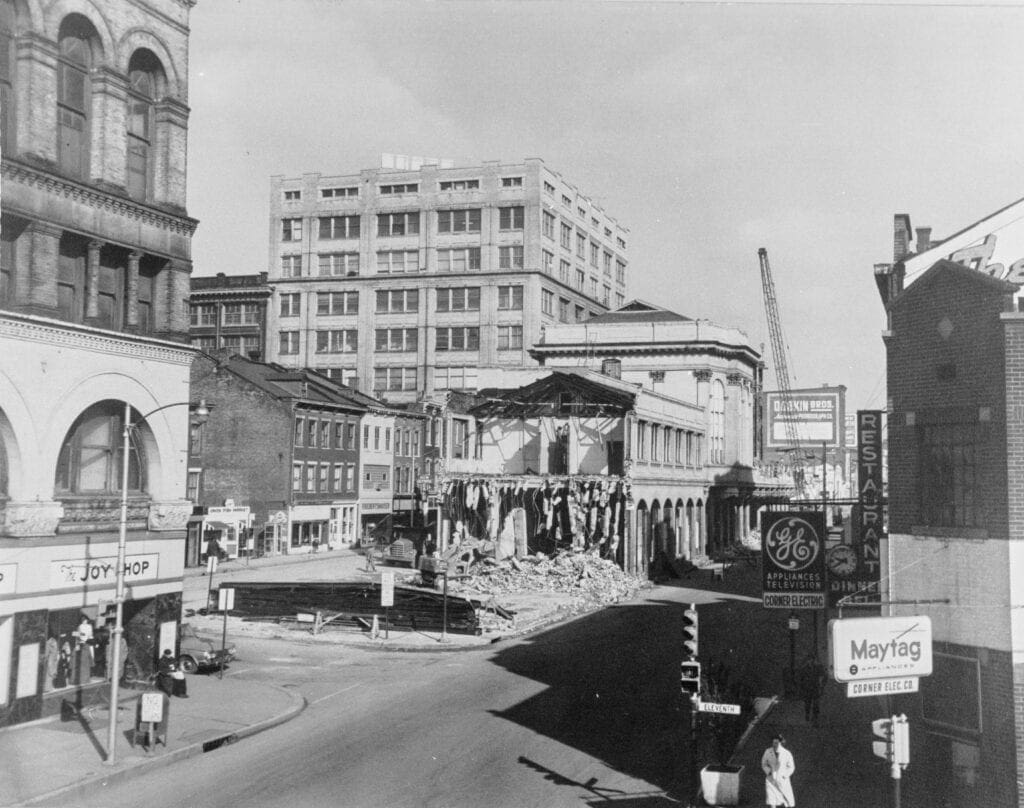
point(880, 648)
point(87, 572)
point(793, 545)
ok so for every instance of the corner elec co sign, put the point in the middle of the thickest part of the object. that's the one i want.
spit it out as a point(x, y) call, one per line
point(880, 648)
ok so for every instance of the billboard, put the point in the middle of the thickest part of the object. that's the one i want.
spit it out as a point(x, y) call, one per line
point(817, 415)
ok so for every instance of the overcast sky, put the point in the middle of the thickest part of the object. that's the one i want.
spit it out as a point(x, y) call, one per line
point(708, 130)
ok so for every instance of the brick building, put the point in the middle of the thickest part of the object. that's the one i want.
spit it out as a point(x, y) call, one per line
point(405, 282)
point(94, 272)
point(955, 347)
point(229, 312)
point(314, 462)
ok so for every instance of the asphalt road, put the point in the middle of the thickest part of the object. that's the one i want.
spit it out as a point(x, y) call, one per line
point(587, 713)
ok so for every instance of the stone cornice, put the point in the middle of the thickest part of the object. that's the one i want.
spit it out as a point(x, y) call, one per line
point(24, 174)
point(30, 328)
point(639, 349)
point(200, 295)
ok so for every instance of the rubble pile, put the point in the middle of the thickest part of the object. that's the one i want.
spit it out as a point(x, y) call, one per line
point(592, 580)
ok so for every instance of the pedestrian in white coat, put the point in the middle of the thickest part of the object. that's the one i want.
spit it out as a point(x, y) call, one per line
point(778, 766)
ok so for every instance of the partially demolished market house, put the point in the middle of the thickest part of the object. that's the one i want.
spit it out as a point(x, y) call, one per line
point(635, 436)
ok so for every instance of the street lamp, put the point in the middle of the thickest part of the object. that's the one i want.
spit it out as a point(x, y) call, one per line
point(201, 414)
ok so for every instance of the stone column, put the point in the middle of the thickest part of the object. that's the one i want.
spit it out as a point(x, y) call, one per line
point(108, 142)
point(36, 102)
point(42, 276)
point(168, 145)
point(132, 309)
point(92, 280)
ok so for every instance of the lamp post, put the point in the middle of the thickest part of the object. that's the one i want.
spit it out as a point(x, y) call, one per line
point(201, 413)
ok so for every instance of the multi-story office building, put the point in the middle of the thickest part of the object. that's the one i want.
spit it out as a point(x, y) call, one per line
point(408, 281)
point(229, 312)
point(94, 276)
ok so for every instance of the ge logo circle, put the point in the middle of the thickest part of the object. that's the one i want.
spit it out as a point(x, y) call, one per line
point(792, 544)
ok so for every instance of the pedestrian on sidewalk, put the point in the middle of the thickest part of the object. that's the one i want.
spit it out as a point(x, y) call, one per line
point(778, 766)
point(171, 679)
point(810, 680)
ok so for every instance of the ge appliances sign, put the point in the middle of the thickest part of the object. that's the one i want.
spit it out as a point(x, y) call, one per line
point(793, 544)
point(865, 648)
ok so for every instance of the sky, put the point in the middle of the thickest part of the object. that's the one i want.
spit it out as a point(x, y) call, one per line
point(708, 130)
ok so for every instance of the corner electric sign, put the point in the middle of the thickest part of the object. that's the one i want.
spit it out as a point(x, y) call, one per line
point(880, 648)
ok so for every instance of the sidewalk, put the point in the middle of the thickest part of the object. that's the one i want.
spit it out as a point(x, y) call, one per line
point(51, 759)
point(835, 766)
point(834, 763)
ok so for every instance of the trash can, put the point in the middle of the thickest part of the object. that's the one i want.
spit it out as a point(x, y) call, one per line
point(720, 784)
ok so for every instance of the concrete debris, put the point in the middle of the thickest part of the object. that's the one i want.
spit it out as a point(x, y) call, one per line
point(588, 580)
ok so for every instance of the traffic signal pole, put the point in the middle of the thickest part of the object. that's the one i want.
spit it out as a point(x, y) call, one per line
point(689, 684)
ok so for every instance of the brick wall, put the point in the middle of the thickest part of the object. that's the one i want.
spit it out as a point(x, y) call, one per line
point(946, 365)
point(934, 776)
point(246, 443)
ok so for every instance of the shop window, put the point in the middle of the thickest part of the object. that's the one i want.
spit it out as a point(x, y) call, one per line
point(75, 650)
point(90, 460)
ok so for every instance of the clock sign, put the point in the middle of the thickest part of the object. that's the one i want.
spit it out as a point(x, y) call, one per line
point(842, 561)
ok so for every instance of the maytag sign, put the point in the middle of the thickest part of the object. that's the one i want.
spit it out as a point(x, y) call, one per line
point(793, 560)
point(864, 648)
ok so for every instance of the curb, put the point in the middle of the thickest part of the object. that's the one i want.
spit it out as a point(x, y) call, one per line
point(88, 784)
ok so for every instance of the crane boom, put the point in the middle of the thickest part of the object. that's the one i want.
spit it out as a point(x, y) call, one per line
point(779, 354)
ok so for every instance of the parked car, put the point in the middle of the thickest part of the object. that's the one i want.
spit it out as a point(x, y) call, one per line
point(199, 653)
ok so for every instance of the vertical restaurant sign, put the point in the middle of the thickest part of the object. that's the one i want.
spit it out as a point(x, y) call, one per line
point(793, 553)
point(870, 526)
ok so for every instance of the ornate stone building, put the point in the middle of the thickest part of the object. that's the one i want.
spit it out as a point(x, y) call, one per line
point(713, 499)
point(94, 279)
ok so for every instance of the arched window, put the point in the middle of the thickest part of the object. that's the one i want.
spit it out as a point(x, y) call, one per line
point(145, 80)
point(7, 67)
point(90, 460)
point(73, 95)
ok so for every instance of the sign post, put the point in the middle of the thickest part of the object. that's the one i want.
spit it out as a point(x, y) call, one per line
point(211, 568)
point(387, 598)
point(225, 602)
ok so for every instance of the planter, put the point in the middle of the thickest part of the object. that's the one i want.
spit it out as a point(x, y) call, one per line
point(720, 784)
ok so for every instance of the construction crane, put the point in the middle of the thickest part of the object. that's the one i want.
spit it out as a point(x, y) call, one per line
point(779, 352)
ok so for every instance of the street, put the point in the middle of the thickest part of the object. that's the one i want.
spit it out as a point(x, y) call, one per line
point(589, 711)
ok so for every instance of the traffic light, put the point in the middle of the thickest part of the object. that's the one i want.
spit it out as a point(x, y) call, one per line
point(882, 728)
point(900, 740)
point(690, 630)
point(689, 678)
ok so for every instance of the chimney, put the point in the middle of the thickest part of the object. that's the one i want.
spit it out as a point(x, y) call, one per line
point(612, 368)
point(354, 384)
point(924, 238)
point(901, 236)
